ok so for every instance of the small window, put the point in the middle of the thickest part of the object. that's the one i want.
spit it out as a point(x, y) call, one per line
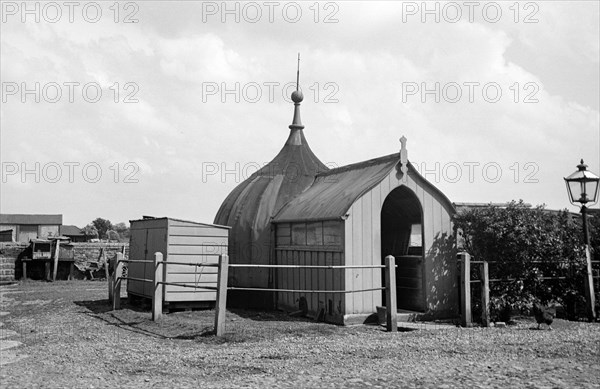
point(416, 240)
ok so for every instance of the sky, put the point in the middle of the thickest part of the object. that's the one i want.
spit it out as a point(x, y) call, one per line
point(119, 110)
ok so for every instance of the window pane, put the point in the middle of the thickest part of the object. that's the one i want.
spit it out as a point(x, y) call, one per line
point(415, 235)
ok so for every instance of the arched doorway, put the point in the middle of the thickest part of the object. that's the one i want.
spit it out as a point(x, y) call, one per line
point(402, 237)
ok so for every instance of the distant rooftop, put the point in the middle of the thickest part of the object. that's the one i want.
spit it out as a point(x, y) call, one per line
point(20, 219)
point(71, 231)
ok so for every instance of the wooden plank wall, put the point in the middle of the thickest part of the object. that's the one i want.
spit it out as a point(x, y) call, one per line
point(311, 243)
point(147, 237)
point(363, 246)
point(193, 243)
point(178, 241)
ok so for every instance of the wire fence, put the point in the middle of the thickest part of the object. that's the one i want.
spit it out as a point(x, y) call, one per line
point(114, 287)
point(478, 273)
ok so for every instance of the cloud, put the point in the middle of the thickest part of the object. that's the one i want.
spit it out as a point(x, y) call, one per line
point(211, 60)
point(364, 61)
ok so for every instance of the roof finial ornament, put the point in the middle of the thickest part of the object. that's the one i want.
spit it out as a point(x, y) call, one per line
point(403, 158)
point(298, 73)
point(297, 98)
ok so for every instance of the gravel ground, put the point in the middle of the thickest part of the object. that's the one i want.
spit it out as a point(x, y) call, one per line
point(63, 334)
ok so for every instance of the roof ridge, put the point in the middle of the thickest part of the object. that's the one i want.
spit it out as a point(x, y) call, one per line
point(357, 165)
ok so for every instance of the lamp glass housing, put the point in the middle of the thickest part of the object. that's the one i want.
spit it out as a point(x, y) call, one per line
point(582, 186)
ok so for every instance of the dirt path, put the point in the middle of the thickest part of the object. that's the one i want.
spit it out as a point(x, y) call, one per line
point(69, 338)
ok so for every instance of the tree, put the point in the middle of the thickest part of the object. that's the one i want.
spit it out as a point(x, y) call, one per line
point(90, 231)
point(123, 230)
point(594, 229)
point(102, 226)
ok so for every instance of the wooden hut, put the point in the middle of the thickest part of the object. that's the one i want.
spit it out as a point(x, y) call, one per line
point(357, 215)
point(297, 211)
point(179, 241)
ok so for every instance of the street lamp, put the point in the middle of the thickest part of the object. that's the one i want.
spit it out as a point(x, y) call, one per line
point(582, 187)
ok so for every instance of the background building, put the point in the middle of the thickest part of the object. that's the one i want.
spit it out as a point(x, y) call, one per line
point(75, 233)
point(26, 227)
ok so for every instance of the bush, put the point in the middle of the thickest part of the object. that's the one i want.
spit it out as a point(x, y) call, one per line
point(525, 245)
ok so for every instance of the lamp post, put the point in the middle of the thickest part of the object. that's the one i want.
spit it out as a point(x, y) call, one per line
point(582, 187)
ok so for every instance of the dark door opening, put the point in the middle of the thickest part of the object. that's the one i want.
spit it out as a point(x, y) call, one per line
point(402, 237)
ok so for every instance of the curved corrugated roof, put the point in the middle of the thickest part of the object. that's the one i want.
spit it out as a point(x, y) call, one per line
point(334, 192)
point(267, 190)
point(248, 209)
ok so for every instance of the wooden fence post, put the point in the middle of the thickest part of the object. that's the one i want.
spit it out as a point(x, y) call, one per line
point(221, 304)
point(485, 294)
point(111, 284)
point(116, 277)
point(157, 297)
point(56, 254)
point(390, 294)
point(465, 289)
point(105, 263)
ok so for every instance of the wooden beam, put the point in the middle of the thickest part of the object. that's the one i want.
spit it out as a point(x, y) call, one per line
point(390, 294)
point(116, 301)
point(56, 253)
point(105, 264)
point(221, 304)
point(111, 279)
point(111, 289)
point(157, 297)
point(465, 289)
point(485, 294)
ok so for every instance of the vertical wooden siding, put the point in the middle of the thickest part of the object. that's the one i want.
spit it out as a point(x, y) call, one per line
point(313, 243)
point(363, 246)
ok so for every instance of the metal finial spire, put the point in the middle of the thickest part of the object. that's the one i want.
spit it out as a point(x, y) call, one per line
point(297, 98)
point(298, 73)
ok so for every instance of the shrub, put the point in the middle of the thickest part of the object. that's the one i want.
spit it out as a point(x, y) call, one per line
point(525, 246)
